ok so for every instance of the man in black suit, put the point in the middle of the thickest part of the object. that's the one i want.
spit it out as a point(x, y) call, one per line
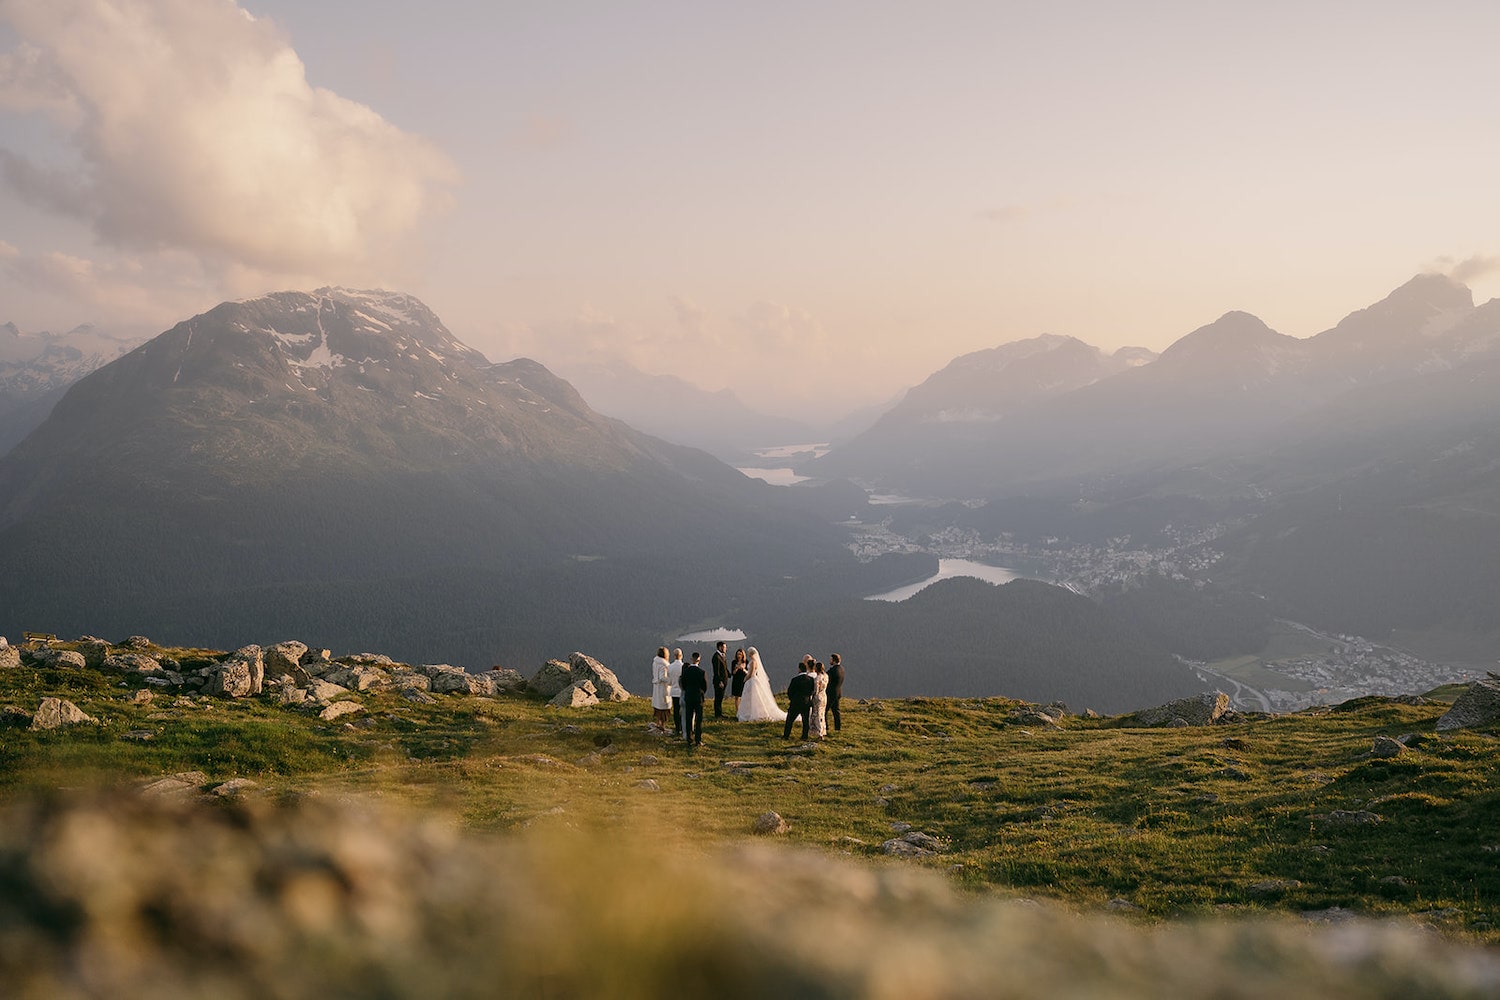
point(800, 693)
point(721, 679)
point(694, 684)
point(835, 688)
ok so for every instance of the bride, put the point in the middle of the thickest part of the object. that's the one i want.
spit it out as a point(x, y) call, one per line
point(758, 704)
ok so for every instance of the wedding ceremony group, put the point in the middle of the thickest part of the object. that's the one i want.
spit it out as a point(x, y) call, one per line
point(679, 693)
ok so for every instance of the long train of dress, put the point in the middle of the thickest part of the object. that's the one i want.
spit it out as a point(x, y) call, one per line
point(758, 704)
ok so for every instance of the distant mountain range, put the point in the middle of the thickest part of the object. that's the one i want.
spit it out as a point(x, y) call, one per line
point(37, 368)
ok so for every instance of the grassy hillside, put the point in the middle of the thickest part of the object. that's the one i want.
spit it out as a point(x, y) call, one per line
point(1198, 821)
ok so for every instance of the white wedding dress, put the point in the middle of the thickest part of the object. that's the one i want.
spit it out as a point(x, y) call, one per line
point(758, 704)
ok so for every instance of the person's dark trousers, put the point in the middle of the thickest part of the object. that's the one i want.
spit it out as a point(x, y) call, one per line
point(692, 722)
point(677, 714)
point(799, 708)
point(719, 700)
point(833, 706)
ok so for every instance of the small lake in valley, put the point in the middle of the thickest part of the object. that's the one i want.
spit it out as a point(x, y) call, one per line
point(947, 569)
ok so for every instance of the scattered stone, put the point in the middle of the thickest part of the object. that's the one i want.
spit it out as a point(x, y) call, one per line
point(903, 848)
point(886, 789)
point(1032, 717)
point(324, 691)
point(606, 685)
point(54, 713)
point(648, 784)
point(1477, 706)
point(339, 709)
point(649, 760)
point(1395, 881)
point(1273, 886)
point(1089, 713)
point(180, 785)
point(1199, 710)
point(569, 730)
point(10, 656)
point(1232, 773)
point(140, 697)
point(142, 735)
point(417, 695)
point(576, 696)
point(233, 787)
point(1232, 743)
point(590, 760)
point(1332, 915)
point(1387, 747)
point(769, 824)
point(1347, 817)
point(58, 658)
point(1179, 723)
point(137, 642)
point(925, 841)
point(900, 827)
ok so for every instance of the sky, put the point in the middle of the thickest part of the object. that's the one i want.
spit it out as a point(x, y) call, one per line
point(814, 204)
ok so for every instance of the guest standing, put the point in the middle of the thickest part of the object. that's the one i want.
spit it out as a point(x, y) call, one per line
point(694, 683)
point(721, 678)
point(835, 688)
point(661, 701)
point(738, 672)
point(820, 700)
point(674, 689)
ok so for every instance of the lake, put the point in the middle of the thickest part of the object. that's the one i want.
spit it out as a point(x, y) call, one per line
point(714, 635)
point(947, 569)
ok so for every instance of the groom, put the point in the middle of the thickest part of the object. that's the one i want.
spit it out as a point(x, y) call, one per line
point(800, 693)
point(694, 684)
point(721, 678)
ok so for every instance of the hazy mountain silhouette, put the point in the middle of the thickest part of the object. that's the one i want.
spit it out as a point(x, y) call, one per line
point(37, 368)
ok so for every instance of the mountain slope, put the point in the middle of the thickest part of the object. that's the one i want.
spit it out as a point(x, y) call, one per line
point(322, 462)
point(36, 369)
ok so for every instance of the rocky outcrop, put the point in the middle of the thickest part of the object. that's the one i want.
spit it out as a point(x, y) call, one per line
point(131, 663)
point(504, 680)
point(284, 657)
point(48, 657)
point(54, 713)
point(1199, 710)
point(606, 684)
point(339, 709)
point(1478, 706)
point(10, 656)
point(238, 675)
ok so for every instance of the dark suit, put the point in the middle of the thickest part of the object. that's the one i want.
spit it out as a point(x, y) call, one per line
point(835, 692)
point(694, 684)
point(800, 693)
point(721, 682)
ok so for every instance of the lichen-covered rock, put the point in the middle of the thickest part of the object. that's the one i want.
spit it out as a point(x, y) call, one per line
point(769, 824)
point(576, 696)
point(131, 663)
point(606, 684)
point(137, 643)
point(367, 660)
point(238, 675)
point(339, 709)
point(1199, 710)
point(504, 680)
point(554, 676)
point(1387, 747)
point(1478, 706)
point(10, 656)
point(58, 658)
point(324, 691)
point(54, 713)
point(284, 657)
point(403, 679)
point(418, 696)
point(446, 679)
point(94, 651)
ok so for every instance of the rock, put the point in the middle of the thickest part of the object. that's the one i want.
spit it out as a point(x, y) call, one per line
point(10, 656)
point(1233, 773)
point(417, 695)
point(900, 826)
point(367, 660)
point(184, 784)
point(649, 784)
point(58, 658)
point(53, 713)
point(370, 679)
point(504, 680)
point(606, 685)
point(1089, 713)
point(925, 841)
point(649, 760)
point(1032, 717)
point(769, 824)
point(324, 691)
point(1347, 817)
point(291, 694)
point(901, 848)
point(1395, 882)
point(1179, 723)
point(238, 675)
point(576, 696)
point(447, 679)
point(590, 760)
point(1478, 706)
point(1387, 747)
point(1199, 710)
point(403, 679)
point(284, 657)
point(137, 643)
point(233, 787)
point(94, 651)
point(554, 676)
point(141, 697)
point(15, 715)
point(139, 735)
point(1122, 905)
point(339, 709)
point(131, 663)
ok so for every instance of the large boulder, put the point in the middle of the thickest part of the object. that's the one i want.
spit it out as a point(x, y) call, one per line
point(48, 657)
point(284, 657)
point(554, 676)
point(1478, 706)
point(239, 675)
point(580, 695)
point(10, 656)
point(131, 663)
point(608, 686)
point(55, 712)
point(95, 651)
point(323, 691)
point(504, 680)
point(1199, 710)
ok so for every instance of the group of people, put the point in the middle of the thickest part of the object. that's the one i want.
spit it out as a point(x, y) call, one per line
point(679, 691)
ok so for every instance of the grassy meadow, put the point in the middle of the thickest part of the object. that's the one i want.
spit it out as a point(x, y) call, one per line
point(1283, 814)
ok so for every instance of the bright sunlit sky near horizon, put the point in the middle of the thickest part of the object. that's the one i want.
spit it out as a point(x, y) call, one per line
point(765, 196)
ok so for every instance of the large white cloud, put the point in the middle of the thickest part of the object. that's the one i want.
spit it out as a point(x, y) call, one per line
point(195, 128)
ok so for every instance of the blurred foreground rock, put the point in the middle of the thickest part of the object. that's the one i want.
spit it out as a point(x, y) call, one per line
point(183, 893)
